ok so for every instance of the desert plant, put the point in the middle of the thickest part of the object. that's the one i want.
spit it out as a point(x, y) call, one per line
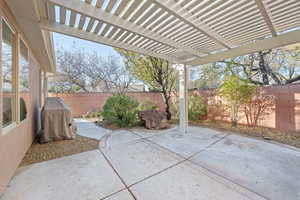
point(237, 92)
point(121, 110)
point(258, 107)
point(148, 105)
point(197, 107)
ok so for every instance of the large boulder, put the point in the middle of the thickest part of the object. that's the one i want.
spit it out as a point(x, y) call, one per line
point(154, 119)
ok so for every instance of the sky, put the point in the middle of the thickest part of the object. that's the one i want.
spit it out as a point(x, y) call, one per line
point(67, 42)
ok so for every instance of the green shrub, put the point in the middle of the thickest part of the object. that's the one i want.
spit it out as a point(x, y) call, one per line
point(94, 113)
point(148, 105)
point(197, 107)
point(121, 110)
point(236, 92)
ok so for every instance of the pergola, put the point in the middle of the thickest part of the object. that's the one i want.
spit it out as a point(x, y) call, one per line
point(184, 32)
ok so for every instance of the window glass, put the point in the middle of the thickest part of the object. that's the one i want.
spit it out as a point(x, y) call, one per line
point(23, 80)
point(8, 42)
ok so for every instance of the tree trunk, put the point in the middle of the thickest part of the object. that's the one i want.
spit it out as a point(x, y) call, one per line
point(167, 102)
point(263, 69)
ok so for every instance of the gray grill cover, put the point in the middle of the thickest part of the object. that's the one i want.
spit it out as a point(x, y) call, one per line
point(57, 120)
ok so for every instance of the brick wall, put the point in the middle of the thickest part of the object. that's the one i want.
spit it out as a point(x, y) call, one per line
point(81, 103)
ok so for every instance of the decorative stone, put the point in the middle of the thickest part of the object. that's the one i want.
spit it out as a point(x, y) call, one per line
point(154, 119)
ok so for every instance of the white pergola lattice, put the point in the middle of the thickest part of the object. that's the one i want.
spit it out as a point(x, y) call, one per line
point(190, 32)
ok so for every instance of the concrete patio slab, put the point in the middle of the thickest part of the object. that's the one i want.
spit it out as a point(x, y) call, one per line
point(204, 132)
point(187, 145)
point(140, 159)
point(118, 137)
point(90, 130)
point(123, 195)
point(186, 181)
point(223, 166)
point(82, 176)
point(145, 133)
point(268, 169)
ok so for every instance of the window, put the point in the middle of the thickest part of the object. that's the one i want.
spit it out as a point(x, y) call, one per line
point(23, 80)
point(8, 55)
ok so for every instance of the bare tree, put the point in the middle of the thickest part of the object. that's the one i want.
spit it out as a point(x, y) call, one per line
point(157, 73)
point(90, 72)
point(277, 66)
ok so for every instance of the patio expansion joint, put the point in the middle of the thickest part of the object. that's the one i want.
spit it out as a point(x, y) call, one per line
point(187, 159)
point(121, 179)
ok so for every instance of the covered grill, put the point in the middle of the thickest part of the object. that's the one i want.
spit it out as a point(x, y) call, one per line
point(57, 121)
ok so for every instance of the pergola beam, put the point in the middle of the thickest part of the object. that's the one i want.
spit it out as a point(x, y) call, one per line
point(266, 16)
point(183, 14)
point(101, 15)
point(74, 32)
point(270, 43)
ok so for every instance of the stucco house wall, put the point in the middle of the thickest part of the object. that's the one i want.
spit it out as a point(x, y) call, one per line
point(15, 142)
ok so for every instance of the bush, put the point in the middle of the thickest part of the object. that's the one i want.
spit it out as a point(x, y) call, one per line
point(94, 113)
point(121, 110)
point(148, 105)
point(197, 107)
point(237, 92)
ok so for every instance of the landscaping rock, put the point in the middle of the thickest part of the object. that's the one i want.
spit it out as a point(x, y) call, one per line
point(154, 119)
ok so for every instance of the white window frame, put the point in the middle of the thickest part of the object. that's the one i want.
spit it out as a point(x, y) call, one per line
point(15, 65)
point(20, 37)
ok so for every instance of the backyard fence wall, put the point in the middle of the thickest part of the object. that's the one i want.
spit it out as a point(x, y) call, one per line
point(284, 115)
point(82, 103)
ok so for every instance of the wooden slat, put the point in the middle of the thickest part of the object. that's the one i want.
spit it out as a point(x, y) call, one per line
point(134, 40)
point(156, 24)
point(132, 8)
point(153, 18)
point(98, 27)
point(51, 11)
point(82, 21)
point(110, 5)
point(112, 32)
point(99, 3)
point(90, 25)
point(147, 15)
point(234, 13)
point(72, 19)
point(266, 16)
point(119, 22)
point(62, 15)
point(74, 32)
point(270, 43)
point(118, 35)
point(143, 42)
point(106, 28)
point(124, 36)
point(140, 11)
point(129, 38)
point(121, 7)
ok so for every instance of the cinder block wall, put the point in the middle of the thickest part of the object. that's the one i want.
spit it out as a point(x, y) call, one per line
point(284, 115)
point(81, 103)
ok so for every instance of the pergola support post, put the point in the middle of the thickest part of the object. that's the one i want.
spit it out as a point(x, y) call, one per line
point(183, 98)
